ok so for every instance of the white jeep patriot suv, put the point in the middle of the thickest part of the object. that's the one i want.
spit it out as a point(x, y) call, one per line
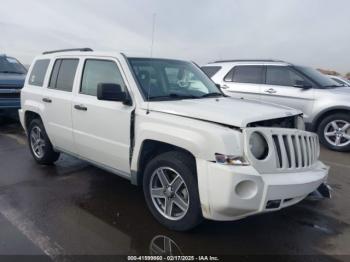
point(165, 125)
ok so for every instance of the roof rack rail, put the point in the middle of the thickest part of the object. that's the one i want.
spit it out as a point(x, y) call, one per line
point(85, 49)
point(248, 60)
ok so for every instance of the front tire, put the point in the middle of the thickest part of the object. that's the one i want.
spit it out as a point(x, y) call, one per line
point(171, 191)
point(334, 132)
point(40, 145)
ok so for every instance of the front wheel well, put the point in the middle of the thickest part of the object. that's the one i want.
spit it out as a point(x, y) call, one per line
point(323, 115)
point(153, 148)
point(29, 116)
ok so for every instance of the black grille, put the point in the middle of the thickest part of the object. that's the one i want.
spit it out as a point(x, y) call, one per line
point(10, 95)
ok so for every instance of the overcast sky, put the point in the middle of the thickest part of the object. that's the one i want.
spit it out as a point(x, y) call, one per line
point(309, 32)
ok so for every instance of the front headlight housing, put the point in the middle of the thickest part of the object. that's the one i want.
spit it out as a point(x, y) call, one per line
point(299, 123)
point(231, 160)
point(258, 146)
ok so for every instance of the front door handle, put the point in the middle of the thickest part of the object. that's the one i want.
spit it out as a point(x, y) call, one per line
point(271, 91)
point(225, 87)
point(47, 100)
point(80, 107)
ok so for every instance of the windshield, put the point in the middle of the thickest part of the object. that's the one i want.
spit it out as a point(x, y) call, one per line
point(10, 65)
point(318, 77)
point(162, 79)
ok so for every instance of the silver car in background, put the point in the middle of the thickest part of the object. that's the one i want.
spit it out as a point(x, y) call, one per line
point(340, 80)
point(324, 102)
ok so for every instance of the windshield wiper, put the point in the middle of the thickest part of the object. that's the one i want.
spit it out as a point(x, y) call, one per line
point(173, 96)
point(211, 95)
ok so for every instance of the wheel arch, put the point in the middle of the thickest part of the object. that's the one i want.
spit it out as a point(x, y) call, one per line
point(29, 115)
point(149, 149)
point(327, 112)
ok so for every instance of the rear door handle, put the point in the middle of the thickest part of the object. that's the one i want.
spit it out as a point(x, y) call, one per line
point(80, 107)
point(47, 100)
point(271, 91)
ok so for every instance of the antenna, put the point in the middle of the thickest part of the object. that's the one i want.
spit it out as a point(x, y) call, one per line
point(153, 31)
point(152, 43)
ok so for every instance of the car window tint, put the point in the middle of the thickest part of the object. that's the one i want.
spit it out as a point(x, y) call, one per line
point(97, 72)
point(38, 72)
point(211, 70)
point(283, 76)
point(66, 74)
point(54, 73)
point(248, 74)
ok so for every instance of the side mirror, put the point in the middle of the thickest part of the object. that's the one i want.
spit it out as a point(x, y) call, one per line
point(112, 92)
point(218, 86)
point(302, 84)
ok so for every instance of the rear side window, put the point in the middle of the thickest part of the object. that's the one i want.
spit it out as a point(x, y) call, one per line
point(246, 74)
point(282, 76)
point(99, 71)
point(63, 74)
point(38, 73)
point(211, 70)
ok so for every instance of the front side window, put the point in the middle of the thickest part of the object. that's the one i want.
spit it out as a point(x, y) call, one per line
point(38, 72)
point(63, 74)
point(10, 65)
point(246, 74)
point(283, 76)
point(163, 79)
point(97, 72)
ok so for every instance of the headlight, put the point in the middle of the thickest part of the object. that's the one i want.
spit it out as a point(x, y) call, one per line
point(258, 146)
point(231, 160)
point(299, 123)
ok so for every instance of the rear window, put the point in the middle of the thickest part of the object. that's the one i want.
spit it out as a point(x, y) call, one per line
point(38, 73)
point(211, 70)
point(246, 74)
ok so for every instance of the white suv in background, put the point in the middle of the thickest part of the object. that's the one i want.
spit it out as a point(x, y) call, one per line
point(164, 125)
point(324, 102)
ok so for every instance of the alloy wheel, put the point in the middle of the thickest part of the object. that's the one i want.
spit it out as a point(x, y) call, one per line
point(37, 142)
point(169, 193)
point(337, 133)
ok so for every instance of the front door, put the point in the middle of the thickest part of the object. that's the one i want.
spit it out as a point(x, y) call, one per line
point(102, 128)
point(284, 86)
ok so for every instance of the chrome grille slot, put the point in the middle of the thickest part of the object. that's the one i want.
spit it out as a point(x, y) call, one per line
point(278, 151)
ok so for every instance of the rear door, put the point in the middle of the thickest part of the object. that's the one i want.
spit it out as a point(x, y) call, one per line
point(283, 87)
point(58, 103)
point(244, 81)
point(102, 128)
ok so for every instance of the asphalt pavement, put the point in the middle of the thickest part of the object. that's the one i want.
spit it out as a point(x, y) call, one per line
point(73, 208)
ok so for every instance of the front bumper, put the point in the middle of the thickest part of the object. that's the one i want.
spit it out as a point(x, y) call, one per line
point(235, 192)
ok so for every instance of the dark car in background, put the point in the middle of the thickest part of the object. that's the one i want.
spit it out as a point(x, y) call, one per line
point(12, 76)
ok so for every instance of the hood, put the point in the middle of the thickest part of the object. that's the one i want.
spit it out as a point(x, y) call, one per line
point(12, 80)
point(226, 110)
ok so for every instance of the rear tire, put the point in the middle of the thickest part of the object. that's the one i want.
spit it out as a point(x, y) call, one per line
point(171, 191)
point(40, 145)
point(334, 132)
